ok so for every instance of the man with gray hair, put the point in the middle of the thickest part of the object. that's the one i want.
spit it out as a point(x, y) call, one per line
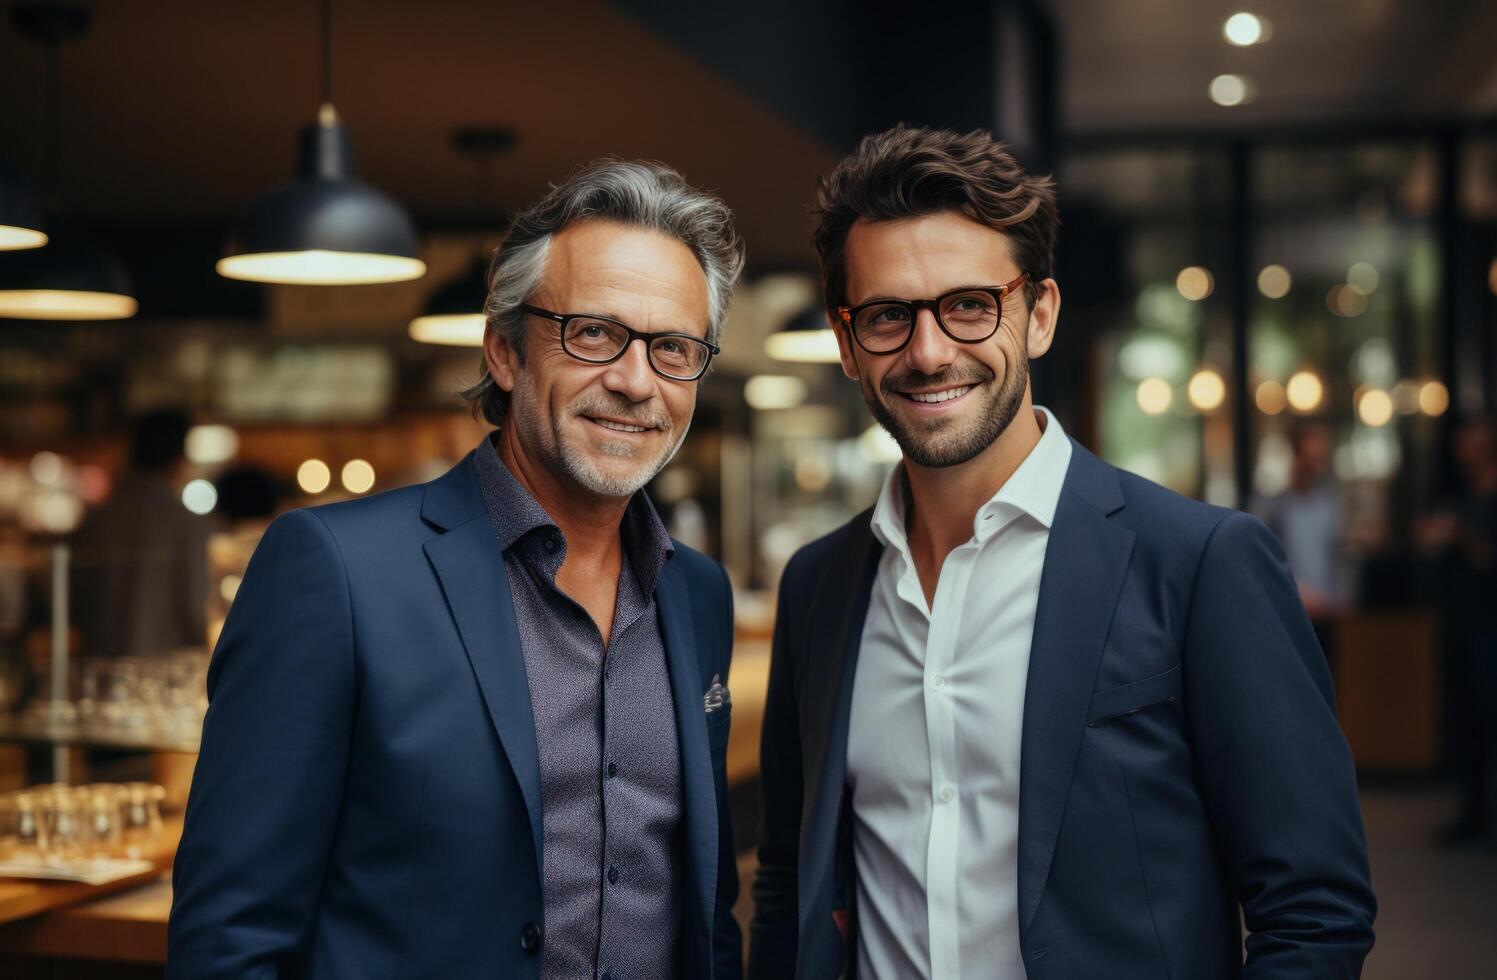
point(479, 727)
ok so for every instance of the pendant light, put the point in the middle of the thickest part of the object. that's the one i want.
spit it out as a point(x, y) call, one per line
point(454, 315)
point(20, 212)
point(70, 278)
point(324, 228)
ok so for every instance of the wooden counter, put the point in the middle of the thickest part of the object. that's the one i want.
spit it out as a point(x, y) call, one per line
point(20, 898)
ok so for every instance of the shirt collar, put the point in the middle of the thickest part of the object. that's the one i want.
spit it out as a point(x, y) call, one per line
point(516, 517)
point(1034, 489)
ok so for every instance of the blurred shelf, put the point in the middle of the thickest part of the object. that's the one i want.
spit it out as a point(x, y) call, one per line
point(14, 729)
point(22, 899)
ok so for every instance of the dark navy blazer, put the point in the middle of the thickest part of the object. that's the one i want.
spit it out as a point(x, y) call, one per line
point(1181, 757)
point(367, 801)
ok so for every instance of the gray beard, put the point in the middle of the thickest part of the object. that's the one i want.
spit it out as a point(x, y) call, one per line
point(566, 458)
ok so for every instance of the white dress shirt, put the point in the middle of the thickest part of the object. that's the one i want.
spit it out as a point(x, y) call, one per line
point(937, 719)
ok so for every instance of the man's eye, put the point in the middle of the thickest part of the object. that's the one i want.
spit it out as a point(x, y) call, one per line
point(670, 346)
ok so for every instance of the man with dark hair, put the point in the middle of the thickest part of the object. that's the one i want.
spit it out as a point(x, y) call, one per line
point(140, 563)
point(478, 728)
point(1031, 715)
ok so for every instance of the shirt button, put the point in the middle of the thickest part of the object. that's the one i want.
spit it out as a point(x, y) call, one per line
point(530, 937)
point(947, 794)
point(613, 770)
point(939, 680)
point(613, 875)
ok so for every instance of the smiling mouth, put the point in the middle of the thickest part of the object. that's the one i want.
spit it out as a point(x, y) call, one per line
point(937, 397)
point(619, 426)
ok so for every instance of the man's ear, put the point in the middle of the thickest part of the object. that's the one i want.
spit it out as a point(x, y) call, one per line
point(1043, 319)
point(501, 358)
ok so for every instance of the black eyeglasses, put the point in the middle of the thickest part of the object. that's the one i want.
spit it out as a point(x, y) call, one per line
point(967, 316)
point(601, 340)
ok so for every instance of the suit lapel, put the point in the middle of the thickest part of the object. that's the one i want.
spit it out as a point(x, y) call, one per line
point(698, 793)
point(839, 610)
point(1085, 562)
point(470, 568)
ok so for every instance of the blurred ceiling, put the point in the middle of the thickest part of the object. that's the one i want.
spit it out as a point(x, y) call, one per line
point(1147, 63)
point(180, 111)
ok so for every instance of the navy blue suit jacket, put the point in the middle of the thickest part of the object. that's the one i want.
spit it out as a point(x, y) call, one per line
point(1181, 756)
point(367, 801)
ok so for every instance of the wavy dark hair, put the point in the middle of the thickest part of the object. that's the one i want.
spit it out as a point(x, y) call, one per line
point(910, 172)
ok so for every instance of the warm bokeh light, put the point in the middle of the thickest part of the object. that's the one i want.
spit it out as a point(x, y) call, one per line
point(14, 238)
point(1375, 407)
point(321, 267)
point(1271, 398)
point(47, 468)
point(1244, 29)
point(210, 444)
point(1363, 278)
point(806, 346)
point(1305, 391)
point(1274, 281)
point(813, 473)
point(1194, 283)
point(450, 329)
point(1206, 390)
point(229, 587)
point(771, 391)
point(1155, 396)
point(878, 446)
point(358, 476)
point(65, 304)
point(200, 497)
point(313, 476)
point(1230, 90)
point(1343, 300)
point(1434, 399)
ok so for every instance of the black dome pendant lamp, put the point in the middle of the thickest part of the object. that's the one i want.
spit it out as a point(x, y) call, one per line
point(324, 228)
point(69, 278)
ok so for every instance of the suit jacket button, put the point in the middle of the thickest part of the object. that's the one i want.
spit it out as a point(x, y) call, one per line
point(530, 937)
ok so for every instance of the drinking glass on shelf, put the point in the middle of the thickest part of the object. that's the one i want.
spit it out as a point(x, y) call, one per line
point(63, 819)
point(102, 831)
point(23, 835)
point(142, 816)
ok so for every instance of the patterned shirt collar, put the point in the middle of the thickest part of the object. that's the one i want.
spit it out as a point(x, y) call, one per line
point(522, 524)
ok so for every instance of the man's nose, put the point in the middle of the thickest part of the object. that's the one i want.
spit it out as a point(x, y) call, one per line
point(930, 351)
point(631, 375)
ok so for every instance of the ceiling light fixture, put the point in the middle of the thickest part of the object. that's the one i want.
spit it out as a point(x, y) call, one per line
point(454, 314)
point(324, 228)
point(1244, 29)
point(1230, 90)
point(805, 338)
point(69, 278)
point(20, 212)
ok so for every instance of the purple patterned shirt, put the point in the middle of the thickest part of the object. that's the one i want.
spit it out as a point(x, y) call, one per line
point(605, 725)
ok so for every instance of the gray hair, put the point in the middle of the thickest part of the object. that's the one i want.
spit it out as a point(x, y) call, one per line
point(640, 193)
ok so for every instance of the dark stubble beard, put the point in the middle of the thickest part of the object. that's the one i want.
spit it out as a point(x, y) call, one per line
point(940, 442)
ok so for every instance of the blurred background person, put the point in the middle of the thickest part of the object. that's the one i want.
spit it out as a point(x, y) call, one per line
point(1461, 538)
point(1307, 518)
point(140, 561)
